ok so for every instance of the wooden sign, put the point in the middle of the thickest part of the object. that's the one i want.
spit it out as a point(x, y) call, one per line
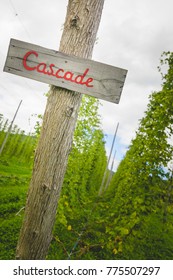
point(77, 74)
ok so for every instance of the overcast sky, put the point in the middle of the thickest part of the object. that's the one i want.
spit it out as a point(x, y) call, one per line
point(132, 35)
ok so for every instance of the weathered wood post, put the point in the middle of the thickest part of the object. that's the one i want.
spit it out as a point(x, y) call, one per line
point(78, 38)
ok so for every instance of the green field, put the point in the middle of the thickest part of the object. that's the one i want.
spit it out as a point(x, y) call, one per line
point(14, 182)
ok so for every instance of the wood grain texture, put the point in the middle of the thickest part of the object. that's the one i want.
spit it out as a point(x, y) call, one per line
point(107, 81)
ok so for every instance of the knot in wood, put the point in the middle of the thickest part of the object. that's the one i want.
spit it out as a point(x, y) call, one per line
point(74, 21)
point(45, 187)
point(35, 233)
point(69, 111)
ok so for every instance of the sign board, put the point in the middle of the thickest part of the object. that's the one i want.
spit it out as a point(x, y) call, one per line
point(77, 74)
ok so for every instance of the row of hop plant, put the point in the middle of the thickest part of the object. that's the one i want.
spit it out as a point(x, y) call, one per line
point(19, 144)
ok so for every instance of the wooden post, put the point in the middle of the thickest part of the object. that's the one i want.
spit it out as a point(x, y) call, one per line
point(78, 38)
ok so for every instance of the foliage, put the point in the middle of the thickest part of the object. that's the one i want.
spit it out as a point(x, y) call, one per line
point(141, 190)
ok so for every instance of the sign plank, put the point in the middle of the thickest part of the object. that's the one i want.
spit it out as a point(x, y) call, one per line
point(77, 74)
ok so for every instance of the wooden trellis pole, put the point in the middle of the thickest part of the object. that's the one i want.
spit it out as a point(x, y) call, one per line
point(9, 129)
point(105, 173)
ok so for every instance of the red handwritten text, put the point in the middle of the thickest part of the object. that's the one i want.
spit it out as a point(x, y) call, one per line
point(60, 73)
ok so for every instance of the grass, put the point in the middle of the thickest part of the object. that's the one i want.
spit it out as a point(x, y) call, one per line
point(14, 181)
